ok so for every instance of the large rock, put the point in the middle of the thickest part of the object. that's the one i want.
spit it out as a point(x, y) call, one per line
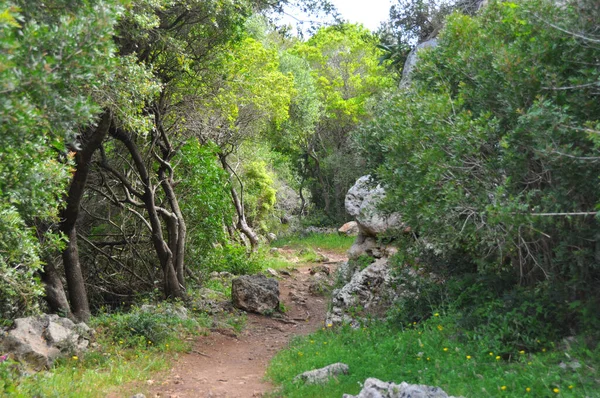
point(321, 376)
point(255, 293)
point(369, 293)
point(361, 203)
point(39, 340)
point(375, 388)
point(412, 59)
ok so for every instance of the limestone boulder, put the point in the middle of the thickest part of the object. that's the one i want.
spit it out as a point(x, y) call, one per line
point(323, 375)
point(369, 293)
point(39, 340)
point(255, 293)
point(361, 202)
point(375, 388)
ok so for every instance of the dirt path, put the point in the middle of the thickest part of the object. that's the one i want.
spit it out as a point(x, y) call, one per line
point(225, 365)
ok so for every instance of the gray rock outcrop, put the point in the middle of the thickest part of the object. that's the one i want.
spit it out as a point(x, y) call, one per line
point(255, 293)
point(323, 375)
point(369, 293)
point(412, 59)
point(361, 202)
point(375, 388)
point(40, 340)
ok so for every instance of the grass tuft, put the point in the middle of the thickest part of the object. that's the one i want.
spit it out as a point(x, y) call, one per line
point(333, 242)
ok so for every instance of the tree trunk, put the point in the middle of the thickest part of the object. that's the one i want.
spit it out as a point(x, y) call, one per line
point(75, 282)
point(55, 292)
point(177, 236)
point(242, 224)
point(172, 288)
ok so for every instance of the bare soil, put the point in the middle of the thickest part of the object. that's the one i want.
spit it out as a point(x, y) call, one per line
point(227, 365)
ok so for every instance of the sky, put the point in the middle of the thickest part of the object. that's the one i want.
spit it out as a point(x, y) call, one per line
point(368, 12)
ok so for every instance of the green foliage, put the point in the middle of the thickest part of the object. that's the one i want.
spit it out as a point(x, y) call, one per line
point(431, 353)
point(362, 261)
point(259, 193)
point(487, 155)
point(20, 288)
point(490, 307)
point(231, 258)
point(346, 79)
point(205, 199)
point(53, 58)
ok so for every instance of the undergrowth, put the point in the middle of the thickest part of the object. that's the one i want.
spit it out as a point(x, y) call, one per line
point(435, 353)
point(128, 347)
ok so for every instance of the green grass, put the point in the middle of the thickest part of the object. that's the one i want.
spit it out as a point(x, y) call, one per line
point(432, 353)
point(92, 375)
point(274, 261)
point(332, 242)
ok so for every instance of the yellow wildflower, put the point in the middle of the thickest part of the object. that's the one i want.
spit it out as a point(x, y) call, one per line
point(436, 314)
point(528, 389)
point(556, 390)
point(468, 357)
point(445, 348)
point(570, 387)
point(75, 357)
point(497, 357)
point(503, 388)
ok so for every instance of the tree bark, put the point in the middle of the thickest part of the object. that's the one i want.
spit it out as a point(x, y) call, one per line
point(55, 291)
point(75, 282)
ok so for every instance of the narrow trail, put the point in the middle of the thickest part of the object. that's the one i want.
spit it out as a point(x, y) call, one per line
point(225, 365)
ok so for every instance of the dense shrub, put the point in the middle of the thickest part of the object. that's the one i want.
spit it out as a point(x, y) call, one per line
point(491, 157)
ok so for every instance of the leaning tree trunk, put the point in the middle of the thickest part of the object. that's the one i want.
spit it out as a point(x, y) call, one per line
point(172, 288)
point(178, 229)
point(242, 224)
point(75, 283)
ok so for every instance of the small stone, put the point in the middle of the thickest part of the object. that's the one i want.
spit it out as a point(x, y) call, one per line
point(377, 388)
point(322, 375)
point(349, 229)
